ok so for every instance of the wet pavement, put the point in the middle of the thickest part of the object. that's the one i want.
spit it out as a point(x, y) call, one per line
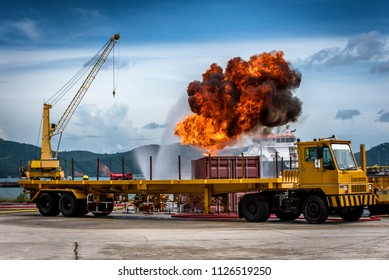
point(28, 235)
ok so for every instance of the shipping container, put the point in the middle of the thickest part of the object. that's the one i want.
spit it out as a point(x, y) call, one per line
point(226, 167)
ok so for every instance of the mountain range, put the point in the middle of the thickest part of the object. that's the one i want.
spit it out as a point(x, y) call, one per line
point(14, 155)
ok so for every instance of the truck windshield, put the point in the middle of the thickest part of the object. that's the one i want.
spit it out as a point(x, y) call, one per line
point(344, 157)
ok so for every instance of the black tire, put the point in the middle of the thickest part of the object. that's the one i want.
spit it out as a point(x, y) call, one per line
point(351, 214)
point(104, 208)
point(48, 204)
point(254, 208)
point(287, 216)
point(315, 210)
point(68, 205)
point(82, 208)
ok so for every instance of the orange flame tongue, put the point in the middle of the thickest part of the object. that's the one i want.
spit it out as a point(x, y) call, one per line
point(227, 105)
point(204, 132)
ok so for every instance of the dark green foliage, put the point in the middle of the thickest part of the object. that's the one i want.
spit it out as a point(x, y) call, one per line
point(14, 155)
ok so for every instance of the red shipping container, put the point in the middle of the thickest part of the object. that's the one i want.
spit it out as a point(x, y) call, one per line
point(226, 167)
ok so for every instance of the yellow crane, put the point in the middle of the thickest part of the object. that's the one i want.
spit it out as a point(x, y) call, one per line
point(48, 166)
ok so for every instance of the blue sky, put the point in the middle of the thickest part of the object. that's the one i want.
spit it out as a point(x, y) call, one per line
point(340, 47)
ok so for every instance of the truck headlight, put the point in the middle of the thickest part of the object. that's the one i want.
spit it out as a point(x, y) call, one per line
point(370, 187)
point(344, 187)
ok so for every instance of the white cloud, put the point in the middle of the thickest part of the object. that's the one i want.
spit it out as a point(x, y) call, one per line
point(152, 89)
point(108, 130)
point(369, 47)
point(2, 134)
point(13, 29)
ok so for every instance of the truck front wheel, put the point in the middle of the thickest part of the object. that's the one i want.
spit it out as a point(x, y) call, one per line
point(315, 210)
point(254, 209)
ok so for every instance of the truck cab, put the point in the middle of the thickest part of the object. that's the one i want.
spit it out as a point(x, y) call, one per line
point(330, 164)
point(327, 181)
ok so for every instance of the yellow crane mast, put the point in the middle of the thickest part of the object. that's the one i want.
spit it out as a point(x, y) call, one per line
point(48, 166)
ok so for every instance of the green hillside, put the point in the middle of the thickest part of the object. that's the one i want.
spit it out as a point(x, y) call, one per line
point(377, 155)
point(14, 155)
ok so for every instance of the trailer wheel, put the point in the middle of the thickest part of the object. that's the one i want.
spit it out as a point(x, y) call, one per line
point(48, 204)
point(104, 208)
point(351, 214)
point(287, 216)
point(254, 209)
point(315, 210)
point(68, 205)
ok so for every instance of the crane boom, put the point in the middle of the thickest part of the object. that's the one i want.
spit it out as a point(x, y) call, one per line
point(84, 87)
point(47, 166)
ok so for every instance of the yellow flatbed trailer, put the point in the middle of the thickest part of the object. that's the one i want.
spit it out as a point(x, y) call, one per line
point(206, 187)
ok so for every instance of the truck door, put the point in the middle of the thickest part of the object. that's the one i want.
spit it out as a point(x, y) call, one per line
point(318, 168)
point(329, 171)
point(310, 166)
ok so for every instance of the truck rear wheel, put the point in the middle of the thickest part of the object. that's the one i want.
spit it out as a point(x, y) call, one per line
point(254, 208)
point(315, 210)
point(48, 204)
point(351, 214)
point(68, 205)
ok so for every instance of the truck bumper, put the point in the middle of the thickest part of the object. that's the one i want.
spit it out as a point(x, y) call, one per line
point(335, 201)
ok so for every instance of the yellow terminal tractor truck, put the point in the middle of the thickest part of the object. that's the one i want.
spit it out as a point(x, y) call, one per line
point(327, 181)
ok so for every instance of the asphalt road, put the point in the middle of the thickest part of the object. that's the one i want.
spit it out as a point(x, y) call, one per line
point(29, 236)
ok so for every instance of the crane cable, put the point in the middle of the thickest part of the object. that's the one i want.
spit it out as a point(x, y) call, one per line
point(69, 85)
point(115, 81)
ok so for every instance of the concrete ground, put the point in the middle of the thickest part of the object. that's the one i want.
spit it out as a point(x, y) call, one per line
point(28, 235)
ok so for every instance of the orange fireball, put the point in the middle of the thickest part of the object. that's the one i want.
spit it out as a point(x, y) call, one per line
point(228, 104)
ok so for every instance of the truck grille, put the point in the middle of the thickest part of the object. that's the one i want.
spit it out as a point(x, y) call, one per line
point(358, 180)
point(358, 188)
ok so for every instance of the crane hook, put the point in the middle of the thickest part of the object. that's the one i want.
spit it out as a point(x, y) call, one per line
point(113, 93)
